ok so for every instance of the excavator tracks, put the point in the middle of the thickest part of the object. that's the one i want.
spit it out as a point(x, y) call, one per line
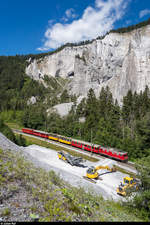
point(92, 180)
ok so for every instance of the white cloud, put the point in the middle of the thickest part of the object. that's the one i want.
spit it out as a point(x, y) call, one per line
point(144, 13)
point(69, 14)
point(95, 21)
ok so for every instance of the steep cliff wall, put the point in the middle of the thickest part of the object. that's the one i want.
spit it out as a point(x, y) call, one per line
point(121, 61)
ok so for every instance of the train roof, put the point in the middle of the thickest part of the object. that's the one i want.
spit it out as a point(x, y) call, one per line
point(97, 145)
point(42, 132)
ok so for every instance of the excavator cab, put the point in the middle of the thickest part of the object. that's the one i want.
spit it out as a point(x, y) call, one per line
point(92, 173)
point(129, 180)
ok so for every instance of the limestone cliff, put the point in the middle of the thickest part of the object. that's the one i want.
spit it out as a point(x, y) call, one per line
point(121, 61)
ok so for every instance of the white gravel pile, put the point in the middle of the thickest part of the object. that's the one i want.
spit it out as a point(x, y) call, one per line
point(63, 109)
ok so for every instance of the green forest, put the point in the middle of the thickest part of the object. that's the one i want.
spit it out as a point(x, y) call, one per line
point(106, 123)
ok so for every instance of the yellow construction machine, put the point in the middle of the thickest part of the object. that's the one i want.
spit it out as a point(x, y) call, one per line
point(129, 185)
point(92, 174)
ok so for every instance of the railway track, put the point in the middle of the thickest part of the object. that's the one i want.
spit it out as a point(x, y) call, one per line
point(129, 166)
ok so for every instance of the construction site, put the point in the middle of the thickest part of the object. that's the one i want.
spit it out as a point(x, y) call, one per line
point(99, 177)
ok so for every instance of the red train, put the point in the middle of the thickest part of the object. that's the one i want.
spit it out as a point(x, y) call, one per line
point(111, 153)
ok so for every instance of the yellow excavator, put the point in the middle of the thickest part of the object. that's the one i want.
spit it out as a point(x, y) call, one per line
point(129, 185)
point(92, 174)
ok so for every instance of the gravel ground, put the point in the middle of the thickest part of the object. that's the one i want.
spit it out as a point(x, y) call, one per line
point(19, 203)
point(48, 159)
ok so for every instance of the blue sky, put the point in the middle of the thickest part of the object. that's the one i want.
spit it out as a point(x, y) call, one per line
point(36, 26)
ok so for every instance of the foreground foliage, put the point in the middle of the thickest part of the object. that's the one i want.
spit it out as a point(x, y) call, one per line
point(142, 201)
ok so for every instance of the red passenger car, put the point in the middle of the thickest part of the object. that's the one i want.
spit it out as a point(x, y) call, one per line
point(35, 132)
point(27, 130)
point(109, 152)
point(76, 144)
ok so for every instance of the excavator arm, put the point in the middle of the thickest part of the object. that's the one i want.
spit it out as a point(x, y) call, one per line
point(92, 173)
point(113, 169)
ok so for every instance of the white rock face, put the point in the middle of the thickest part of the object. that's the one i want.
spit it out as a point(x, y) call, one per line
point(121, 61)
point(31, 101)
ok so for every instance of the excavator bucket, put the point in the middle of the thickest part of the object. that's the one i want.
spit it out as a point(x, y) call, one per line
point(113, 169)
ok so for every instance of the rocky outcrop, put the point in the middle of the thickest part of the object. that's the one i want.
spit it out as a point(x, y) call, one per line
point(6, 144)
point(121, 61)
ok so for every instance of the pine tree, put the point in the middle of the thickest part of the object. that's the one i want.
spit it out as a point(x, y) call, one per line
point(127, 108)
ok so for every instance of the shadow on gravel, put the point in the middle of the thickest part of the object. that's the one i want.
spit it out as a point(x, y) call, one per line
point(81, 165)
point(105, 173)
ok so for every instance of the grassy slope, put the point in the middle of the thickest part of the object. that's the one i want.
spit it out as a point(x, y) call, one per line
point(50, 197)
